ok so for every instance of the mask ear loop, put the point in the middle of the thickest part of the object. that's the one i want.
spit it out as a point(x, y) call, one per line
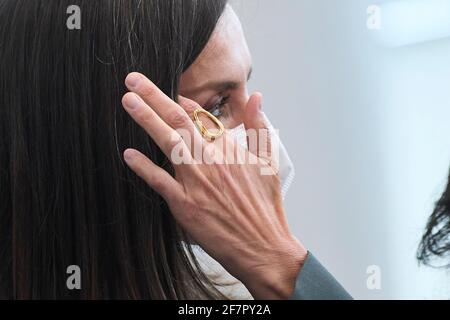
point(286, 169)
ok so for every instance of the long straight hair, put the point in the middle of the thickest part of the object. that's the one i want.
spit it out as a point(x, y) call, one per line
point(66, 196)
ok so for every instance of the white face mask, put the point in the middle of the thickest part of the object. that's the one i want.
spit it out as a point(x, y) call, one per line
point(286, 167)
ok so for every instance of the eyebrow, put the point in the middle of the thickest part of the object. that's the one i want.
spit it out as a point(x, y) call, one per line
point(222, 85)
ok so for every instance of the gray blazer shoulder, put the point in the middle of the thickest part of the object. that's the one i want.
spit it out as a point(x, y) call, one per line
point(315, 283)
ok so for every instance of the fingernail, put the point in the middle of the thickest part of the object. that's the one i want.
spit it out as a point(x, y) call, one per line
point(129, 155)
point(260, 102)
point(132, 80)
point(132, 102)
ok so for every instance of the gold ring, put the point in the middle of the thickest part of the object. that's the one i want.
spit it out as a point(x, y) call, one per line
point(206, 133)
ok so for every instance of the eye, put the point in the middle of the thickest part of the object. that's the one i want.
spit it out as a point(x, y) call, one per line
point(217, 107)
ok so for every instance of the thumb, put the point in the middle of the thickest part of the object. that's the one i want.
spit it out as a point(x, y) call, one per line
point(258, 136)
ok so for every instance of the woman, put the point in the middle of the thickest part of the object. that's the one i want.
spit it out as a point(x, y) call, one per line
point(67, 196)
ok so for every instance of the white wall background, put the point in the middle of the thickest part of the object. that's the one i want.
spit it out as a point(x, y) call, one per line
point(368, 128)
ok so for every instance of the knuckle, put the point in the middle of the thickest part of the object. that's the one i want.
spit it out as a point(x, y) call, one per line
point(145, 117)
point(148, 91)
point(158, 184)
point(178, 118)
point(190, 106)
point(174, 141)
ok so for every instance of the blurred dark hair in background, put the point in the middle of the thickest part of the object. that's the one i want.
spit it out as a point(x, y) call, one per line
point(436, 239)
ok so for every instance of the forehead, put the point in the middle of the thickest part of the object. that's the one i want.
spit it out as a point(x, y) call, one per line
point(226, 57)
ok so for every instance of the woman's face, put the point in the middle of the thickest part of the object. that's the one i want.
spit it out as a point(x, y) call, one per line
point(217, 80)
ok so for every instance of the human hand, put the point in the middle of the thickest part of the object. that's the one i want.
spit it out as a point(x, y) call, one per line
point(231, 210)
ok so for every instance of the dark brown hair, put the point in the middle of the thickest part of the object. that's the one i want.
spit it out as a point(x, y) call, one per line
point(66, 196)
point(436, 239)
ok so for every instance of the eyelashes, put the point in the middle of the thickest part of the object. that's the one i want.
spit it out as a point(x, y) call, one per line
point(218, 108)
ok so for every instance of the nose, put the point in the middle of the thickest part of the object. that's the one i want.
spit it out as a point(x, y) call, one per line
point(237, 109)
